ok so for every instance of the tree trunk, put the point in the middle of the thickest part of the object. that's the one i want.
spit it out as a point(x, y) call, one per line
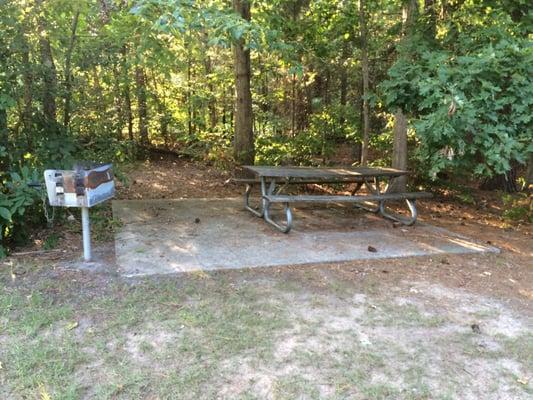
point(293, 105)
point(529, 174)
point(409, 15)
point(211, 105)
point(189, 96)
point(431, 18)
point(212, 102)
point(68, 75)
point(243, 150)
point(129, 113)
point(142, 109)
point(27, 79)
point(3, 127)
point(99, 95)
point(117, 101)
point(4, 132)
point(127, 92)
point(49, 89)
point(365, 73)
point(343, 83)
point(506, 182)
point(164, 118)
point(399, 150)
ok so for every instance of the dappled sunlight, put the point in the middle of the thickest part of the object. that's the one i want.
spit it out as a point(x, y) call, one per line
point(205, 234)
point(468, 244)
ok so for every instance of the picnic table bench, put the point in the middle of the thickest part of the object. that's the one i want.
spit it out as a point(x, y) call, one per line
point(273, 180)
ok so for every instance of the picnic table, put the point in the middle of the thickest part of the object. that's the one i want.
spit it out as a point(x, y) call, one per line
point(274, 180)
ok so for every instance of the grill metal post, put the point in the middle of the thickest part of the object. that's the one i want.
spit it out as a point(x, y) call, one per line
point(86, 230)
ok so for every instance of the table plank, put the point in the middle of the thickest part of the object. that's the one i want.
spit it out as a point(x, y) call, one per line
point(342, 199)
point(323, 173)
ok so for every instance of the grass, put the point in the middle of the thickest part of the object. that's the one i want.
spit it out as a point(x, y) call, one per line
point(211, 322)
point(200, 335)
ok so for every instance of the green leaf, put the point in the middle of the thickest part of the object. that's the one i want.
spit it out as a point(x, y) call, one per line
point(5, 214)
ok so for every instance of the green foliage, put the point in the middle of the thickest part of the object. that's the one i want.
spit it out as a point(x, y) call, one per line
point(471, 103)
point(16, 201)
point(463, 76)
point(518, 207)
point(51, 241)
point(285, 150)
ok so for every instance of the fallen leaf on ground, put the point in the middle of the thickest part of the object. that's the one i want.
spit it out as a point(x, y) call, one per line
point(176, 305)
point(72, 325)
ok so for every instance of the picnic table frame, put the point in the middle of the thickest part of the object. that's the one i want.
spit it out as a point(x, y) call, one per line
point(378, 181)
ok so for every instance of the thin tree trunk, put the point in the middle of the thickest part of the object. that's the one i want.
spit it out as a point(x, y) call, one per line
point(49, 89)
point(127, 92)
point(293, 105)
point(68, 74)
point(399, 150)
point(142, 109)
point(164, 118)
point(98, 94)
point(3, 127)
point(129, 113)
point(365, 75)
point(4, 143)
point(529, 174)
point(27, 79)
point(343, 82)
point(243, 150)
point(212, 102)
point(431, 18)
point(506, 182)
point(189, 96)
point(117, 100)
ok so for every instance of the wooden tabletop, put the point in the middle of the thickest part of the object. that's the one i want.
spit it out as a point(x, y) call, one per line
point(323, 173)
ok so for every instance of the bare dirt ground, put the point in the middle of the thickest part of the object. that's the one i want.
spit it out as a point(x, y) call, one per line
point(446, 327)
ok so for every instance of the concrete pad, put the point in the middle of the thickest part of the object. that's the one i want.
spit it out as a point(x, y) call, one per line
point(169, 236)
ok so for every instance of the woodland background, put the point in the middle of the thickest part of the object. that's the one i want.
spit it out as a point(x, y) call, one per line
point(442, 87)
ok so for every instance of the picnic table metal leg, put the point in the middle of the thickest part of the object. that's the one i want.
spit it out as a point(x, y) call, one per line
point(247, 202)
point(374, 190)
point(411, 204)
point(285, 228)
point(358, 185)
point(394, 217)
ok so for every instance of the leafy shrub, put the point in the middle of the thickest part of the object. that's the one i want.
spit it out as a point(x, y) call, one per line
point(16, 202)
point(280, 150)
point(470, 98)
point(518, 207)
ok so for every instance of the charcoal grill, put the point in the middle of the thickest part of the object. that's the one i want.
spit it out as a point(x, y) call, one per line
point(84, 186)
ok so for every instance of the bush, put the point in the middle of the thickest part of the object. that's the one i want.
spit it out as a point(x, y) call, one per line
point(470, 98)
point(18, 203)
point(518, 207)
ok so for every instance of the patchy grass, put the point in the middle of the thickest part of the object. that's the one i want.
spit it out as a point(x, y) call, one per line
point(240, 335)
